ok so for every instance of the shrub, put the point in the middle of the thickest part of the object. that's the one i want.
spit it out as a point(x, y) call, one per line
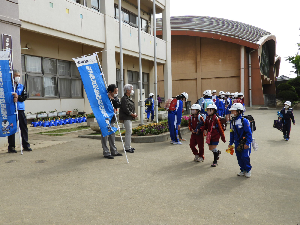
point(288, 95)
point(153, 128)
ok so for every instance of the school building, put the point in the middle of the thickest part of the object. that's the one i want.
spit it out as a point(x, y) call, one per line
point(46, 35)
point(215, 53)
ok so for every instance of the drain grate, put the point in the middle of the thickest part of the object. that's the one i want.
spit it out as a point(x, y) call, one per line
point(11, 161)
point(40, 161)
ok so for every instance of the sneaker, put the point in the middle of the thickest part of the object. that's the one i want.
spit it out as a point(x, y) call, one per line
point(242, 173)
point(118, 154)
point(196, 158)
point(27, 149)
point(109, 157)
point(182, 139)
point(286, 139)
point(171, 142)
point(177, 143)
point(248, 174)
point(214, 164)
point(200, 159)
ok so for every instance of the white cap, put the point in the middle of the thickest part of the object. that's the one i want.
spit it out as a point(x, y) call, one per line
point(232, 94)
point(151, 94)
point(214, 91)
point(237, 106)
point(227, 93)
point(236, 94)
point(207, 92)
point(185, 95)
point(288, 103)
point(241, 94)
point(196, 106)
point(212, 106)
point(221, 93)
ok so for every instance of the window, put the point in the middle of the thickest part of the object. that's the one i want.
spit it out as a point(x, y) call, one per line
point(51, 78)
point(144, 25)
point(118, 78)
point(125, 16)
point(49, 66)
point(34, 86)
point(50, 89)
point(146, 83)
point(95, 5)
point(131, 18)
point(33, 64)
point(64, 68)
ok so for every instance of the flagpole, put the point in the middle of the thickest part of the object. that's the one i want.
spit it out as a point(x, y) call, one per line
point(155, 64)
point(16, 103)
point(140, 63)
point(96, 53)
point(121, 48)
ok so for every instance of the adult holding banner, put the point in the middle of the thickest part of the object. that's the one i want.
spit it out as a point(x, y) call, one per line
point(8, 119)
point(127, 114)
point(20, 96)
point(112, 92)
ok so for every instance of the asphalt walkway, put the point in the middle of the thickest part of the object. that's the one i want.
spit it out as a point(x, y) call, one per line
point(66, 180)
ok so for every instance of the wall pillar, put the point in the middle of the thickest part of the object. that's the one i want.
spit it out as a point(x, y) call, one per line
point(108, 54)
point(167, 37)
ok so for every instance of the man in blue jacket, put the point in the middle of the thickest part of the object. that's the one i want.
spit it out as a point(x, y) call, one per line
point(241, 137)
point(20, 96)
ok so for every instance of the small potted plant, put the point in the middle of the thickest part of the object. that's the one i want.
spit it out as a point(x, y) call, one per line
point(30, 115)
point(42, 114)
point(62, 113)
point(52, 113)
point(75, 112)
point(90, 118)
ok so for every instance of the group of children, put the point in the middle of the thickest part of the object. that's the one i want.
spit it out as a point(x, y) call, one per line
point(223, 102)
point(205, 120)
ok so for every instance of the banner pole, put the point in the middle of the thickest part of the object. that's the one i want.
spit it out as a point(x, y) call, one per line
point(16, 104)
point(112, 106)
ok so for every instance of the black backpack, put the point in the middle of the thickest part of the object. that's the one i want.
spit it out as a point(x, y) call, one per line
point(252, 122)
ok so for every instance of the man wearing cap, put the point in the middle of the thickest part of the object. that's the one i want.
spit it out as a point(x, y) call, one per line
point(149, 102)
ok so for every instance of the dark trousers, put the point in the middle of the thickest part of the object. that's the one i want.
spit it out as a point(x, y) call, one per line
point(24, 132)
point(197, 140)
point(286, 129)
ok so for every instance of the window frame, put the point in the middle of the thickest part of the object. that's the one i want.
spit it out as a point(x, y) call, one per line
point(56, 76)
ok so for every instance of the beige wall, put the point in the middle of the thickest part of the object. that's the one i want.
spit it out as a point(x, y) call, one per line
point(52, 47)
point(202, 63)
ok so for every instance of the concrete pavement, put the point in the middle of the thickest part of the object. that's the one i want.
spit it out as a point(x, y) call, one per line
point(69, 182)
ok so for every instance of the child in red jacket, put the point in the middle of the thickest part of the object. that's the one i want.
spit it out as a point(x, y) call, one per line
point(196, 121)
point(214, 130)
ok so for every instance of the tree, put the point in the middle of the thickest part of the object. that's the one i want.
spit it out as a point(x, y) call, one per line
point(295, 60)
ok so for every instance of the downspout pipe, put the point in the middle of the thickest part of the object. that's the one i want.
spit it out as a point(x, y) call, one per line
point(250, 80)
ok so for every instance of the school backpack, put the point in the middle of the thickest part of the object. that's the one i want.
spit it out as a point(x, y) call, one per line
point(207, 102)
point(148, 102)
point(223, 122)
point(252, 122)
point(171, 104)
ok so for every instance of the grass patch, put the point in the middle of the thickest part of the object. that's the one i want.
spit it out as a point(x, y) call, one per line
point(66, 130)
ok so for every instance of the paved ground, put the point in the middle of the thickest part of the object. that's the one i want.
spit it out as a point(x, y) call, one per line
point(160, 185)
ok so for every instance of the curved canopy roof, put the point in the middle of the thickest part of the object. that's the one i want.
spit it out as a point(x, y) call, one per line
point(218, 27)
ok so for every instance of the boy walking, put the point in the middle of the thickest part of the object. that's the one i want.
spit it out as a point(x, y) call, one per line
point(241, 137)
